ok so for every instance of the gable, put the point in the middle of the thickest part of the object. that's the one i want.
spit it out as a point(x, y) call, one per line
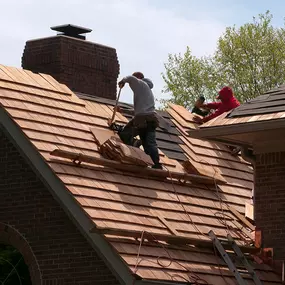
point(52, 246)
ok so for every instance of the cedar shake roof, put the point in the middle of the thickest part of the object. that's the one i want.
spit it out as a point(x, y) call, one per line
point(168, 214)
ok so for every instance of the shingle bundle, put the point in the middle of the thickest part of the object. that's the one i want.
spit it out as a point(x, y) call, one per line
point(111, 147)
point(114, 149)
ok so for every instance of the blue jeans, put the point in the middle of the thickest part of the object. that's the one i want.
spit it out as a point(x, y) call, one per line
point(147, 136)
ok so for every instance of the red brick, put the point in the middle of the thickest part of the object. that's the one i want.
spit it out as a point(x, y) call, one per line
point(270, 200)
point(52, 246)
point(83, 66)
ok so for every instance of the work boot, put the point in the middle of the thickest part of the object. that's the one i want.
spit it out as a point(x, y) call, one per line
point(116, 127)
point(235, 151)
point(157, 166)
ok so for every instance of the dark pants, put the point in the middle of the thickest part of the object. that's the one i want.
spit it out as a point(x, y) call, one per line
point(147, 136)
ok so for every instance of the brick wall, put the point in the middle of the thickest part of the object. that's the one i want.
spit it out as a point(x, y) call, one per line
point(83, 66)
point(270, 201)
point(54, 249)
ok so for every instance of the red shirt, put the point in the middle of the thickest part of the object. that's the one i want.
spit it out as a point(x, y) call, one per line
point(228, 102)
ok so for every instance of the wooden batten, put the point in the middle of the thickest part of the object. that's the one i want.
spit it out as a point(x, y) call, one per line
point(171, 239)
point(78, 158)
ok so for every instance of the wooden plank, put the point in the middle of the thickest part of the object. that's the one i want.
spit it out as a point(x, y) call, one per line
point(149, 172)
point(133, 157)
point(169, 227)
point(171, 239)
point(169, 162)
point(65, 89)
point(180, 120)
point(135, 153)
point(241, 218)
point(38, 80)
point(201, 169)
point(6, 70)
point(4, 75)
point(249, 211)
point(245, 231)
point(128, 153)
point(102, 135)
point(20, 78)
point(185, 114)
point(55, 84)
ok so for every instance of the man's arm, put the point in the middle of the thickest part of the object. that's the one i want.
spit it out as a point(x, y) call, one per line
point(212, 106)
point(122, 110)
point(128, 79)
point(213, 115)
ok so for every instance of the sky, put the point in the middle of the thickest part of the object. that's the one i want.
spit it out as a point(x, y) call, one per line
point(143, 32)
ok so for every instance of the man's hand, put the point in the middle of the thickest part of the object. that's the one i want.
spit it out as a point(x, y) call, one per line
point(118, 109)
point(197, 120)
point(121, 84)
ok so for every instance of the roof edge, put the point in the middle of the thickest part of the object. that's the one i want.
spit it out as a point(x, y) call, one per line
point(75, 39)
point(234, 129)
point(64, 198)
point(154, 282)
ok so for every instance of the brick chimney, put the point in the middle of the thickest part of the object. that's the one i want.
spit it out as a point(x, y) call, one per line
point(83, 66)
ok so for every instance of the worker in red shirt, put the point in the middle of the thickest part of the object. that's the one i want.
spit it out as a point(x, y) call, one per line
point(228, 102)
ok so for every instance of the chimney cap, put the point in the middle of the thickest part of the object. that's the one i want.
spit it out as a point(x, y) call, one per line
point(71, 30)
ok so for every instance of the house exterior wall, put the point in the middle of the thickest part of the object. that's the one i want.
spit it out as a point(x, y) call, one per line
point(269, 209)
point(33, 222)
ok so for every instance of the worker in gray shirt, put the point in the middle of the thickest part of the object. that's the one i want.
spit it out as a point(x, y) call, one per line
point(145, 119)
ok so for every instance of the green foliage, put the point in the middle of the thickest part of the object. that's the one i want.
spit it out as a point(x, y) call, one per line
point(187, 76)
point(250, 59)
point(13, 270)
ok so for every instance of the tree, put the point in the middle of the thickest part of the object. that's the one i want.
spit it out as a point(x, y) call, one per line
point(250, 59)
point(187, 77)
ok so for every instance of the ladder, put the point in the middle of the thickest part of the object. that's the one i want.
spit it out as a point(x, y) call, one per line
point(229, 262)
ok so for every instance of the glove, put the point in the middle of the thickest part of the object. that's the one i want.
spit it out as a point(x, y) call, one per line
point(121, 84)
point(197, 119)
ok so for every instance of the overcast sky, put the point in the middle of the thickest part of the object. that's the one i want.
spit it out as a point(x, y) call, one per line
point(144, 32)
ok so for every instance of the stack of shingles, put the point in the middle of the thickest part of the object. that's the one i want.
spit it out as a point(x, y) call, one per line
point(111, 147)
point(114, 149)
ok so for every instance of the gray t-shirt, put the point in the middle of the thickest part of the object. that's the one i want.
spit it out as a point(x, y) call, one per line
point(143, 96)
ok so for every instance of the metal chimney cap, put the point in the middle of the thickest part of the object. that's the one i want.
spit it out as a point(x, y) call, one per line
point(71, 30)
